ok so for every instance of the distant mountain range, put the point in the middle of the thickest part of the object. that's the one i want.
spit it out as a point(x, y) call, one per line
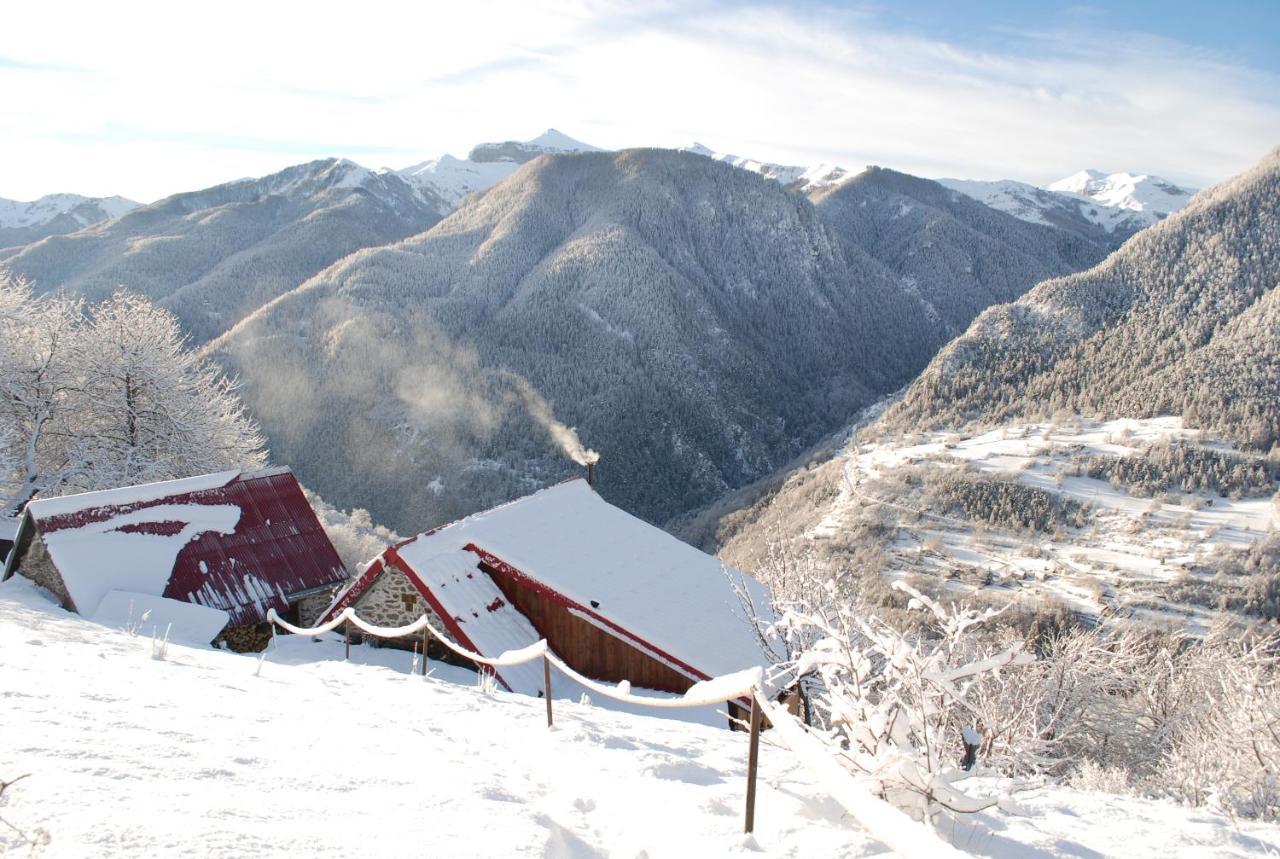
point(55, 214)
point(701, 318)
point(1088, 202)
point(214, 256)
point(452, 178)
point(1184, 319)
point(699, 325)
point(802, 179)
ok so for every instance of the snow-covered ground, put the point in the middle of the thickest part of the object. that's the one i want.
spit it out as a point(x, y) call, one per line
point(208, 753)
point(1131, 541)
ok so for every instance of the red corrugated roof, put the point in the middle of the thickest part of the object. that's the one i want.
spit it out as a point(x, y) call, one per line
point(278, 548)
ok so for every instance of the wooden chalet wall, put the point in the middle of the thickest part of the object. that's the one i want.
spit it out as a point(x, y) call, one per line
point(588, 648)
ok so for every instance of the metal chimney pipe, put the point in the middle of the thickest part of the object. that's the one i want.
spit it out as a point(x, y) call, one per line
point(591, 474)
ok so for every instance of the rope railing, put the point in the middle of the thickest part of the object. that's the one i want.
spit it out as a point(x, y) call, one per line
point(885, 823)
point(742, 685)
point(706, 693)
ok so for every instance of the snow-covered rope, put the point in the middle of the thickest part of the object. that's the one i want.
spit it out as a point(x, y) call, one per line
point(387, 631)
point(298, 630)
point(886, 824)
point(706, 693)
point(505, 659)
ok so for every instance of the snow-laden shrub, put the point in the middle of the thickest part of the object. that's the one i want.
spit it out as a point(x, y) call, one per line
point(897, 707)
point(1089, 697)
point(1224, 747)
point(354, 534)
point(1093, 776)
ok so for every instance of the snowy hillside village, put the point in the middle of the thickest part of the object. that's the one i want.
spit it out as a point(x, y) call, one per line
point(413, 443)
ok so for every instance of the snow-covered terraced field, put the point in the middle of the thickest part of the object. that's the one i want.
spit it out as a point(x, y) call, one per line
point(200, 753)
point(1129, 542)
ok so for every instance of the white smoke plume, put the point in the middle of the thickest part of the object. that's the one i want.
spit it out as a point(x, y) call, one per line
point(565, 437)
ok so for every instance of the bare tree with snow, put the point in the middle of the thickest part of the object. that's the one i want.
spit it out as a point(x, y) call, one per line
point(107, 398)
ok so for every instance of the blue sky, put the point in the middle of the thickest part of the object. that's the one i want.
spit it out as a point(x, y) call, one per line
point(146, 99)
point(1241, 31)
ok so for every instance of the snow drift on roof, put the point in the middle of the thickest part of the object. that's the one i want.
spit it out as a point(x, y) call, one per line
point(481, 611)
point(44, 508)
point(630, 573)
point(242, 543)
point(124, 553)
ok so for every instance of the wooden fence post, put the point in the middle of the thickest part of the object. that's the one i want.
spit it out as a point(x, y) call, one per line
point(753, 759)
point(346, 635)
point(425, 640)
point(546, 685)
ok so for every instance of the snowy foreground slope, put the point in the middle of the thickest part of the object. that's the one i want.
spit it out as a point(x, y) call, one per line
point(199, 754)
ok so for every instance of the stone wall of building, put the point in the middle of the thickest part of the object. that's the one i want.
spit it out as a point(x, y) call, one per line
point(392, 600)
point(310, 608)
point(38, 566)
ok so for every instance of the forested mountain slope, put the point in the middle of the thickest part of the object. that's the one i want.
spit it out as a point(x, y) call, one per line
point(214, 256)
point(697, 323)
point(1184, 319)
point(959, 255)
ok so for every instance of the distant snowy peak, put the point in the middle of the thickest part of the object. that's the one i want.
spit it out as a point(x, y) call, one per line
point(1116, 202)
point(1023, 201)
point(1136, 192)
point(520, 151)
point(454, 178)
point(801, 178)
point(451, 178)
point(83, 210)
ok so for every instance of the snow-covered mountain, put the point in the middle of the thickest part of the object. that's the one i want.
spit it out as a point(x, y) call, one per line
point(452, 178)
point(791, 176)
point(1119, 204)
point(55, 214)
point(213, 256)
point(701, 292)
point(520, 151)
point(1181, 320)
point(1134, 192)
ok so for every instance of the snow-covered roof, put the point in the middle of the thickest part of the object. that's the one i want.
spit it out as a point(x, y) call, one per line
point(242, 543)
point(63, 505)
point(481, 611)
point(629, 573)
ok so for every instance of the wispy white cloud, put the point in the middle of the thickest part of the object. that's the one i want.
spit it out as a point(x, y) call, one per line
point(171, 104)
